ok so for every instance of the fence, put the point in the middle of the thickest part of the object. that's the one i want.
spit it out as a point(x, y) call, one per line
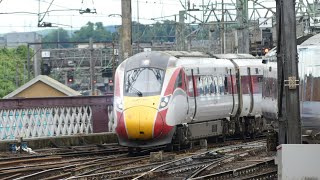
point(60, 116)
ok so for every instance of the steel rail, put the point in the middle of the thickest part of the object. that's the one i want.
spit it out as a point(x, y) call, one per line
point(235, 173)
point(69, 167)
point(271, 174)
point(221, 149)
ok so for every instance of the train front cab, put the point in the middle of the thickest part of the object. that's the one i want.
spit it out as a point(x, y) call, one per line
point(140, 122)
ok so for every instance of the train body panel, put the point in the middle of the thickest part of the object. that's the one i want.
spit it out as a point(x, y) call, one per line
point(160, 96)
point(309, 76)
point(270, 89)
point(210, 93)
point(251, 86)
point(309, 68)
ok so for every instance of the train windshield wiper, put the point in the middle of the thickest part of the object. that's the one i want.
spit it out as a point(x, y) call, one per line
point(139, 93)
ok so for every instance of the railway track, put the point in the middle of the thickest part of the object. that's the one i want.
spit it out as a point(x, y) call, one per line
point(44, 166)
point(114, 162)
point(184, 163)
point(243, 172)
point(210, 159)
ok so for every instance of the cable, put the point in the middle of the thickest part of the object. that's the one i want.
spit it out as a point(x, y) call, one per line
point(20, 13)
point(45, 12)
point(53, 4)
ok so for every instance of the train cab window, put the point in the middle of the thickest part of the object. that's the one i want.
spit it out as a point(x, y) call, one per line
point(178, 82)
point(257, 71)
point(143, 82)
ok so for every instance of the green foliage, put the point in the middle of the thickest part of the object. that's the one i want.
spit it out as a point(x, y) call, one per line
point(96, 31)
point(160, 32)
point(11, 68)
point(100, 34)
point(57, 35)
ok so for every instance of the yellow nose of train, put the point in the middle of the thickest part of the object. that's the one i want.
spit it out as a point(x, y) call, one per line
point(140, 116)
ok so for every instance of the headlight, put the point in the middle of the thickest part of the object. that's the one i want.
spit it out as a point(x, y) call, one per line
point(164, 101)
point(119, 104)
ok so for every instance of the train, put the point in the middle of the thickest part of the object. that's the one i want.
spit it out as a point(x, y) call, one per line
point(177, 97)
point(309, 83)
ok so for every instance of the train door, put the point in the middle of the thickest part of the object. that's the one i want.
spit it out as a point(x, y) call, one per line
point(191, 91)
point(232, 90)
point(250, 89)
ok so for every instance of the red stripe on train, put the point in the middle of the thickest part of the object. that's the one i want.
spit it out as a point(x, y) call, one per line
point(161, 128)
point(170, 87)
point(121, 128)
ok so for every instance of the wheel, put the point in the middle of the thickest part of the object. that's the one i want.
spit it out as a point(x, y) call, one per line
point(130, 150)
point(169, 147)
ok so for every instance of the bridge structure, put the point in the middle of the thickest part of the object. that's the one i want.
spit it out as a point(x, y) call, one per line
point(32, 118)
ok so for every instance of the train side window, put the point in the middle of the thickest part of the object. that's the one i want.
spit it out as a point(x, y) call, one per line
point(190, 87)
point(216, 87)
point(205, 85)
point(221, 85)
point(210, 85)
point(200, 84)
point(226, 84)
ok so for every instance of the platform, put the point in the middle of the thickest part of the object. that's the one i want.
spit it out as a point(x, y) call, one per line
point(38, 143)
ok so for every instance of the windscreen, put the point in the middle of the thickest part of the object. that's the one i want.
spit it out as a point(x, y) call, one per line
point(144, 81)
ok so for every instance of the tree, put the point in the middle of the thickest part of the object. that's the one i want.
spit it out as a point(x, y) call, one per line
point(96, 31)
point(100, 33)
point(57, 35)
point(162, 32)
point(12, 63)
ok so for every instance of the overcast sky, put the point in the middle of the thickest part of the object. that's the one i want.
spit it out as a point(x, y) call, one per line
point(66, 12)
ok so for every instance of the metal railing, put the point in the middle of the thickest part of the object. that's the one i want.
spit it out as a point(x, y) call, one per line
point(60, 116)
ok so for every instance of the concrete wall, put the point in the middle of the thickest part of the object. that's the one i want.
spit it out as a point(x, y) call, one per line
point(17, 39)
point(40, 89)
point(298, 161)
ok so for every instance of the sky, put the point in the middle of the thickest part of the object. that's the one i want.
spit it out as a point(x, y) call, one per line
point(65, 13)
point(70, 18)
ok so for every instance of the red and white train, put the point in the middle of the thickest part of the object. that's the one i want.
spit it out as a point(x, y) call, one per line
point(175, 97)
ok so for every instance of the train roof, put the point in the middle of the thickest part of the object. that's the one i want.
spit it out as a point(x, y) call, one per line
point(314, 40)
point(179, 54)
point(233, 56)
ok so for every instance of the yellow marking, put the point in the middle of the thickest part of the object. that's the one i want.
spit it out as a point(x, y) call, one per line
point(150, 101)
point(139, 116)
